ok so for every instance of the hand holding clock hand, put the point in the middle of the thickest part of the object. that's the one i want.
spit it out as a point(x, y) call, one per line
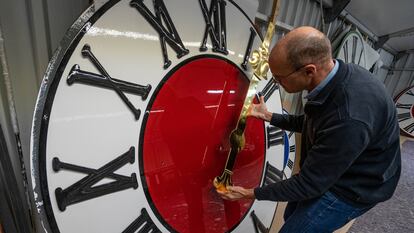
point(234, 193)
point(260, 110)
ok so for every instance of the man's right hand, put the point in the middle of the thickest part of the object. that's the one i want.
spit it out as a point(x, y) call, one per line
point(260, 110)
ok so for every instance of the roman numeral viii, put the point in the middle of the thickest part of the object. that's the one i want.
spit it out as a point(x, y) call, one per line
point(86, 188)
point(106, 81)
point(168, 33)
point(216, 29)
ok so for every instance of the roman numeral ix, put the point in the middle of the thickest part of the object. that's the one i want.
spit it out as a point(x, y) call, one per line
point(168, 33)
point(105, 80)
point(86, 188)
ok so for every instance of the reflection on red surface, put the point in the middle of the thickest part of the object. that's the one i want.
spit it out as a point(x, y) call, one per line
point(186, 145)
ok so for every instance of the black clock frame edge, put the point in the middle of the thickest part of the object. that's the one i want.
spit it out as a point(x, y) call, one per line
point(44, 104)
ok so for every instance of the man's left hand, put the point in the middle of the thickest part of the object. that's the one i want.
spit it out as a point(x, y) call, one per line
point(234, 193)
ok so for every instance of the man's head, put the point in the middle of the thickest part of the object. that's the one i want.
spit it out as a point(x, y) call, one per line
point(301, 59)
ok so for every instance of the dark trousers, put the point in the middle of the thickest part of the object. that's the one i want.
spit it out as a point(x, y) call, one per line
point(324, 214)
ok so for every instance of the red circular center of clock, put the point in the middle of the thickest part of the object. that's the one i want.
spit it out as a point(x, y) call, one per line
point(186, 145)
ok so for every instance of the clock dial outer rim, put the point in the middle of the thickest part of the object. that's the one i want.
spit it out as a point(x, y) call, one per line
point(44, 103)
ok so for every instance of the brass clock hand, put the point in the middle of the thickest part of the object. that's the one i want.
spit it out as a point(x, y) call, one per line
point(260, 66)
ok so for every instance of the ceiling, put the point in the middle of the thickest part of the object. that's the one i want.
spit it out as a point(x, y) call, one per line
point(384, 17)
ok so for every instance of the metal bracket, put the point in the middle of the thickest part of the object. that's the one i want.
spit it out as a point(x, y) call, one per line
point(383, 39)
point(332, 13)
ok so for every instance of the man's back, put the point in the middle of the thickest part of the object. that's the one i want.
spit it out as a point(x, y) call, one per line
point(356, 96)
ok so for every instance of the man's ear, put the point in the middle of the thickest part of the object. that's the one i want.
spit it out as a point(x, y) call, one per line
point(310, 70)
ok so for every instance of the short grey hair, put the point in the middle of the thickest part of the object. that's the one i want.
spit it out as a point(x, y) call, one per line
point(315, 48)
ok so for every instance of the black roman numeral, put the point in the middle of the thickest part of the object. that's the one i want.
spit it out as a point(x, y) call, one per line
point(143, 223)
point(274, 136)
point(409, 128)
point(404, 116)
point(290, 134)
point(259, 227)
point(248, 48)
point(268, 90)
point(216, 30)
point(404, 106)
point(409, 92)
point(105, 80)
point(86, 188)
point(292, 148)
point(345, 48)
point(168, 33)
point(290, 164)
point(272, 175)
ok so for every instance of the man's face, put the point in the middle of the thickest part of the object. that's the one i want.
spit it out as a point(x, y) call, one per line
point(291, 79)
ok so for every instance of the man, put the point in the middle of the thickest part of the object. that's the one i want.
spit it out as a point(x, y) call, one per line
point(350, 154)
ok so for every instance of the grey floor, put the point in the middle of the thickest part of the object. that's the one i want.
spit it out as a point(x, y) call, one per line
point(397, 214)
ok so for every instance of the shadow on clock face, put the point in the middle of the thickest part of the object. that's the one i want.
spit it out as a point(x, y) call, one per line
point(186, 144)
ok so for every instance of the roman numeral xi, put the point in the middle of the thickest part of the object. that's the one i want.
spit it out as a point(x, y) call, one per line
point(168, 33)
point(216, 29)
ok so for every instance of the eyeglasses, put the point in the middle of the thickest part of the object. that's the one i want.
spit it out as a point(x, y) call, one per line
point(277, 78)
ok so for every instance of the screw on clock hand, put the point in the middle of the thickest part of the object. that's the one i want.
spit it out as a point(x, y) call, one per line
point(260, 66)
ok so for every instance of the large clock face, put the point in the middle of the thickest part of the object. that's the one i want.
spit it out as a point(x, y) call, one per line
point(133, 120)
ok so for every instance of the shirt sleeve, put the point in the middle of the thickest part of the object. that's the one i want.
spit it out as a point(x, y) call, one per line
point(335, 149)
point(288, 122)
